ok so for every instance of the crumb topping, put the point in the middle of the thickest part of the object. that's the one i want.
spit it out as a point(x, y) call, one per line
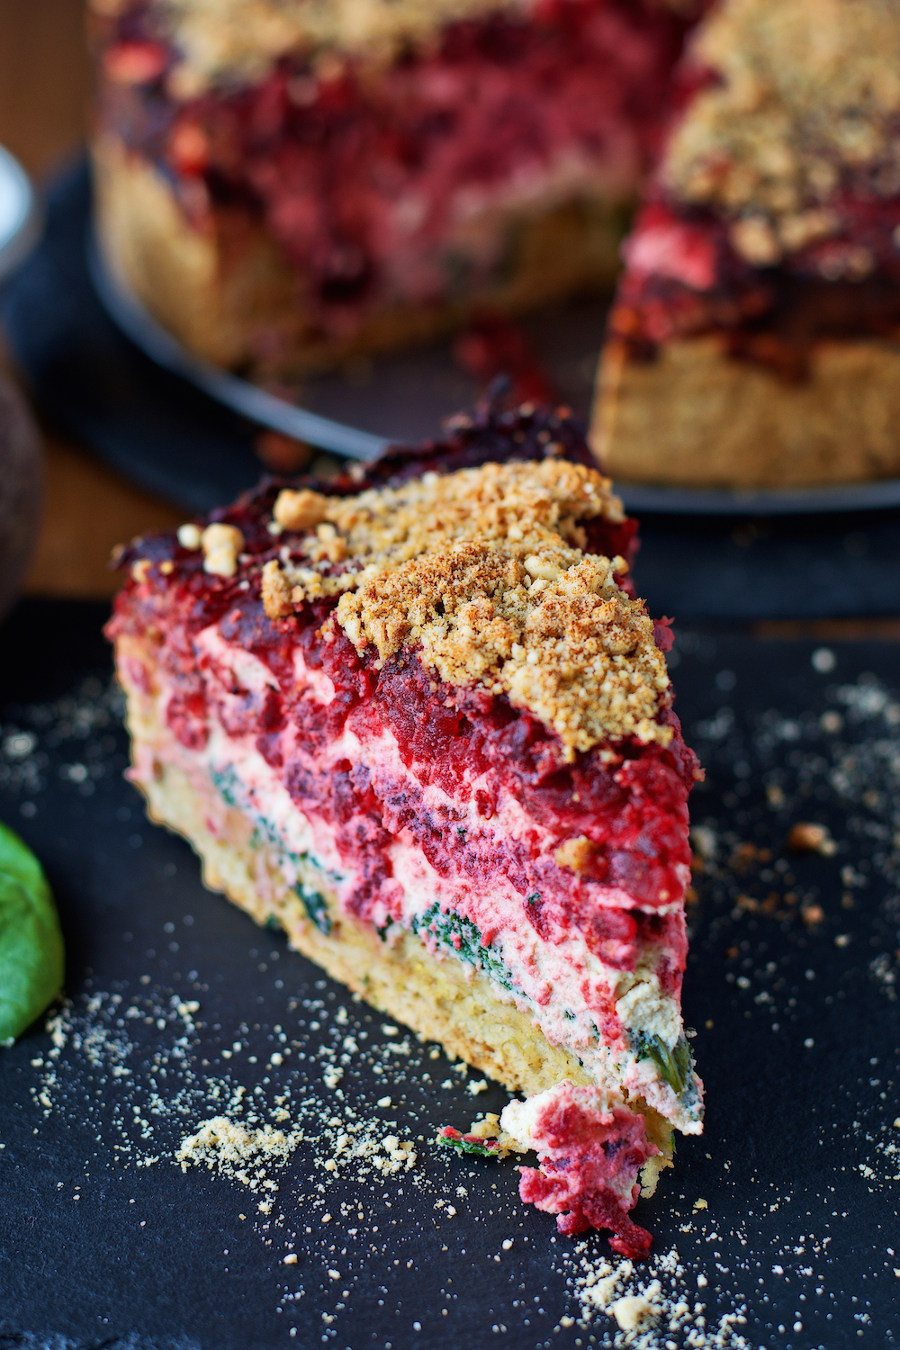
point(575, 651)
point(528, 507)
point(233, 1148)
point(215, 42)
point(484, 573)
point(221, 545)
point(806, 102)
point(276, 591)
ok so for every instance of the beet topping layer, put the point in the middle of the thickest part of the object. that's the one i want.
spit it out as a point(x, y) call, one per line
point(628, 799)
point(325, 157)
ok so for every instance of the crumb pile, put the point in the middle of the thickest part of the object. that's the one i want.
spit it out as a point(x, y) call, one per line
point(794, 867)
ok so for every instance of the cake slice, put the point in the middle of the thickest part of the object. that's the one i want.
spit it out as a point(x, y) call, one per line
point(417, 717)
point(755, 340)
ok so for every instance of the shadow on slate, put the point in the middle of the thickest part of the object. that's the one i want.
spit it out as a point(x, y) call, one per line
point(94, 385)
point(796, 1027)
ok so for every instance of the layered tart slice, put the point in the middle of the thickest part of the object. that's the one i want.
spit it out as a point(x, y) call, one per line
point(756, 335)
point(419, 719)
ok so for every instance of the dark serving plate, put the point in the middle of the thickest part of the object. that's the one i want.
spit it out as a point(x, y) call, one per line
point(405, 397)
point(180, 1009)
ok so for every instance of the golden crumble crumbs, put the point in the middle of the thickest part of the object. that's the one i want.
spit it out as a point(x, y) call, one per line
point(276, 591)
point(488, 1127)
point(807, 94)
point(520, 502)
point(189, 536)
point(301, 510)
point(235, 1149)
point(484, 573)
point(214, 36)
point(575, 854)
point(221, 546)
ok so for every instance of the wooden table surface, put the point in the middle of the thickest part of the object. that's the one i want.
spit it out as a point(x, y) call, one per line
point(44, 100)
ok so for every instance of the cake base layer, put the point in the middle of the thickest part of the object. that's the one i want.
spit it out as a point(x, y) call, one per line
point(694, 416)
point(226, 293)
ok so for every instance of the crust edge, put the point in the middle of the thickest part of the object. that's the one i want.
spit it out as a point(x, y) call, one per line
point(696, 417)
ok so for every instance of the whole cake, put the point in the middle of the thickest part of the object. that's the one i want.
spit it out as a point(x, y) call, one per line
point(419, 719)
point(287, 182)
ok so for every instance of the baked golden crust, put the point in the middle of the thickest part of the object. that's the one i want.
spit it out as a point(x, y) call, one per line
point(695, 417)
point(219, 285)
point(175, 269)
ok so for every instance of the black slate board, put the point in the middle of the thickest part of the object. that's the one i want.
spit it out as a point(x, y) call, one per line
point(797, 1023)
point(98, 388)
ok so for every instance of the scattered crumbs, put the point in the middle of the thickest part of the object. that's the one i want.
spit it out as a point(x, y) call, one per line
point(72, 740)
point(705, 842)
point(823, 660)
point(137, 1071)
point(808, 837)
point(650, 1302)
point(333, 1075)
